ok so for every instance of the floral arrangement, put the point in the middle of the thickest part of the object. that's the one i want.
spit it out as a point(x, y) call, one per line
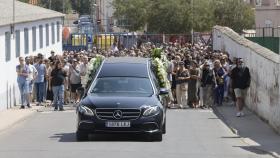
point(94, 64)
point(161, 73)
point(156, 53)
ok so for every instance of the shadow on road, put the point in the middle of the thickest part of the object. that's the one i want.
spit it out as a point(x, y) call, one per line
point(246, 128)
point(71, 137)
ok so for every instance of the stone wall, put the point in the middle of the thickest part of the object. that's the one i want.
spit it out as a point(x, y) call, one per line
point(264, 93)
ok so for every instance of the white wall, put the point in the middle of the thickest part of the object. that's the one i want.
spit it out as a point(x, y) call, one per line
point(9, 93)
point(264, 94)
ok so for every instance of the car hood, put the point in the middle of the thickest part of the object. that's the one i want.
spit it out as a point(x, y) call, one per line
point(118, 101)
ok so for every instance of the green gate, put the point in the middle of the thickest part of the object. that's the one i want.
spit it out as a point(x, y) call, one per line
point(271, 43)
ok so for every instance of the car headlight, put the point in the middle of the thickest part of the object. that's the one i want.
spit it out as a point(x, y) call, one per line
point(85, 110)
point(150, 110)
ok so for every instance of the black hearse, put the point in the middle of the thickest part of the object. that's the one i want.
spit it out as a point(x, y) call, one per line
point(124, 97)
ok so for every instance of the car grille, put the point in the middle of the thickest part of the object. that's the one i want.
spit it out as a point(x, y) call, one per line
point(108, 114)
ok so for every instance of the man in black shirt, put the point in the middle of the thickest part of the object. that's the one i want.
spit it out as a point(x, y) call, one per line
point(52, 57)
point(57, 81)
point(241, 79)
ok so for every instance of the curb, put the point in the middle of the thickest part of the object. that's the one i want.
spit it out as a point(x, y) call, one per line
point(32, 112)
point(236, 132)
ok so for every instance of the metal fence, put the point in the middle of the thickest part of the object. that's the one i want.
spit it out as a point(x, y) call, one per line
point(264, 32)
point(104, 41)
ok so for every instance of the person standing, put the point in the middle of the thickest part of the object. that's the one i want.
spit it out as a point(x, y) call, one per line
point(83, 69)
point(52, 57)
point(207, 81)
point(57, 81)
point(182, 77)
point(193, 85)
point(40, 80)
point(23, 72)
point(170, 69)
point(31, 77)
point(74, 80)
point(65, 67)
point(46, 80)
point(220, 74)
point(241, 79)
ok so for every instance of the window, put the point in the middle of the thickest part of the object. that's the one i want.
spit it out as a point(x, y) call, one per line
point(258, 2)
point(26, 41)
point(131, 86)
point(41, 36)
point(47, 35)
point(34, 41)
point(8, 46)
point(17, 43)
point(53, 34)
point(58, 31)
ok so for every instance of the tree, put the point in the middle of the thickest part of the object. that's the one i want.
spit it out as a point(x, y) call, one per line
point(203, 15)
point(57, 5)
point(132, 14)
point(167, 17)
point(179, 16)
point(235, 14)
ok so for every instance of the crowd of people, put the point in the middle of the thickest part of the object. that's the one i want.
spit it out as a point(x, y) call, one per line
point(199, 76)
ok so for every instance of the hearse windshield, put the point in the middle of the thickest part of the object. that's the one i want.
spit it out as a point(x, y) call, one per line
point(125, 86)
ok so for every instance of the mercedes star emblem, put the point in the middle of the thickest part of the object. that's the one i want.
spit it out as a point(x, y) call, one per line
point(117, 114)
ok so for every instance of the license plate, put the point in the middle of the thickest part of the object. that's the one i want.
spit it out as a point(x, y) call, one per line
point(118, 124)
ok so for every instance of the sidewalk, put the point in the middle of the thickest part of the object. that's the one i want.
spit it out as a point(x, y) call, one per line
point(10, 117)
point(253, 131)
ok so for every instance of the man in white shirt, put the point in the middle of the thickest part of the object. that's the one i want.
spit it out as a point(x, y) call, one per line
point(114, 47)
point(31, 77)
point(83, 69)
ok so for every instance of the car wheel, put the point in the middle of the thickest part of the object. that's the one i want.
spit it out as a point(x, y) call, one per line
point(81, 136)
point(157, 137)
point(164, 128)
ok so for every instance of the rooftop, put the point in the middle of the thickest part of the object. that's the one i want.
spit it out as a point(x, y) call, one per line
point(24, 12)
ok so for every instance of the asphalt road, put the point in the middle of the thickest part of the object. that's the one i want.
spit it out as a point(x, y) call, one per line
point(190, 134)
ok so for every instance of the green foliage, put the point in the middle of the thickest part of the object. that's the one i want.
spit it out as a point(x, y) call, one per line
point(82, 6)
point(135, 13)
point(156, 53)
point(178, 16)
point(234, 13)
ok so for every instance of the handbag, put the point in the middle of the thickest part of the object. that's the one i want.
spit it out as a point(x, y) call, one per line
point(221, 81)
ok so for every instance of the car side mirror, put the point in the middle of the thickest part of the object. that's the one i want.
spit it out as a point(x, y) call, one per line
point(163, 91)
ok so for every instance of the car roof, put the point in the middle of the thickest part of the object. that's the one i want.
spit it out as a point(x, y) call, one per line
point(131, 60)
point(125, 67)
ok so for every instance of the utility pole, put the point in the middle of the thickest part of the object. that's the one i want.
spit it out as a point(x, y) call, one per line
point(63, 6)
point(192, 31)
point(14, 19)
point(50, 4)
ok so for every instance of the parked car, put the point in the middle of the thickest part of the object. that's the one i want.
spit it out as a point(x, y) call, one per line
point(124, 97)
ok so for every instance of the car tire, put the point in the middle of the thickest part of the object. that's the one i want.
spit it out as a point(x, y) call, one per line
point(164, 128)
point(81, 136)
point(157, 137)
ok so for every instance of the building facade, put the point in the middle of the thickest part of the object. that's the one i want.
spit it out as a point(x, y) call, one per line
point(105, 13)
point(267, 13)
point(26, 32)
